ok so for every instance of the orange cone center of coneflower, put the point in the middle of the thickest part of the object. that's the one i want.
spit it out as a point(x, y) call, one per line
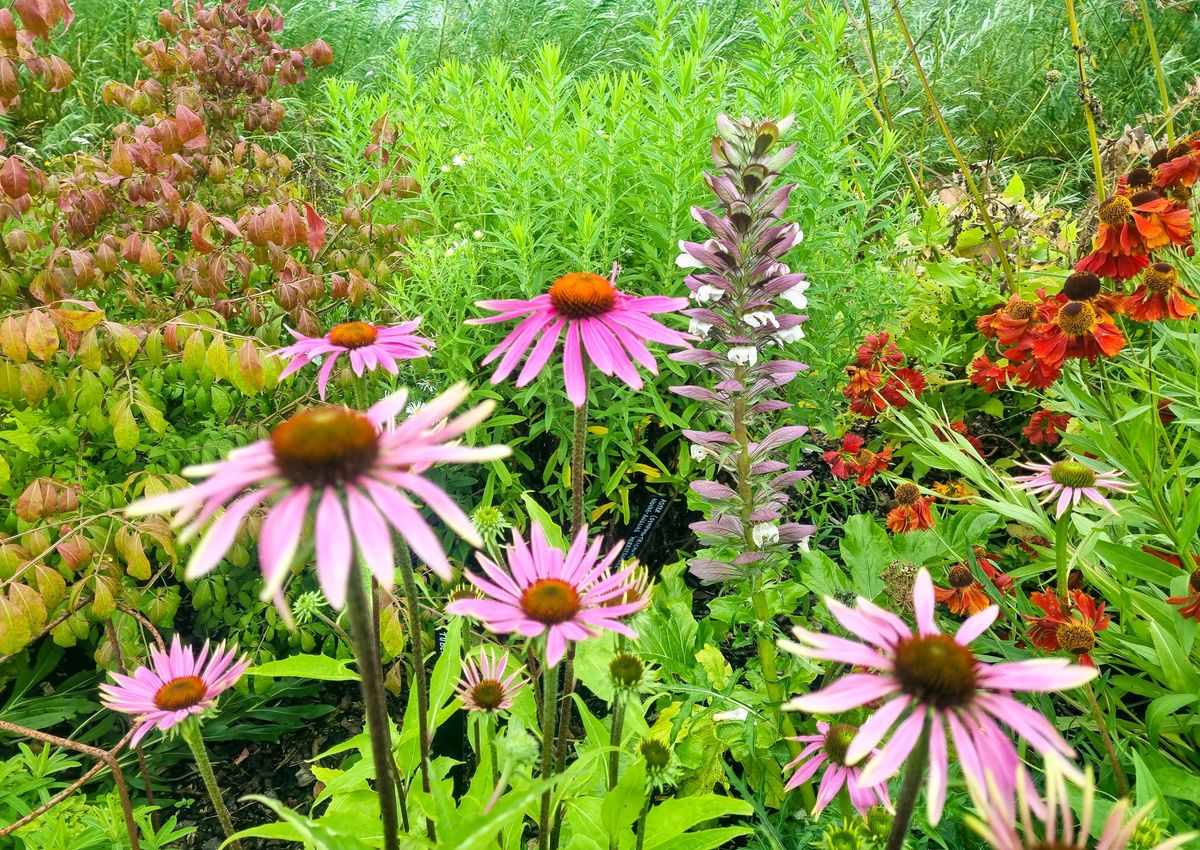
point(1081, 286)
point(1076, 318)
point(961, 576)
point(1072, 473)
point(908, 493)
point(550, 601)
point(837, 741)
point(353, 335)
point(581, 295)
point(488, 694)
point(1116, 210)
point(936, 670)
point(325, 446)
point(1075, 637)
point(1022, 310)
point(1140, 178)
point(1160, 278)
point(181, 693)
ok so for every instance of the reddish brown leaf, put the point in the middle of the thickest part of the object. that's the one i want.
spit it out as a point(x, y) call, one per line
point(316, 229)
point(40, 335)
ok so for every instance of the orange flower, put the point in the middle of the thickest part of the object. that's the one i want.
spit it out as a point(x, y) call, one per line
point(1177, 166)
point(855, 460)
point(987, 375)
point(911, 512)
point(1060, 630)
point(1160, 295)
point(953, 491)
point(1078, 330)
point(1160, 221)
point(965, 595)
point(1189, 605)
point(1044, 426)
point(1119, 251)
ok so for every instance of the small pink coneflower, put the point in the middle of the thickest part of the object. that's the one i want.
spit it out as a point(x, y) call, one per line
point(368, 347)
point(600, 323)
point(1070, 481)
point(484, 687)
point(175, 685)
point(933, 681)
point(566, 595)
point(828, 747)
point(353, 470)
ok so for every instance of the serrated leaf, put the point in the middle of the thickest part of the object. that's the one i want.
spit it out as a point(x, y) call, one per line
point(28, 599)
point(129, 545)
point(151, 414)
point(88, 352)
point(50, 585)
point(40, 335)
point(193, 352)
point(15, 629)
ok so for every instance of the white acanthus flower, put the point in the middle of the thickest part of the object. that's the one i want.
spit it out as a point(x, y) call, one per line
point(764, 533)
point(760, 319)
point(708, 292)
point(784, 336)
point(795, 296)
point(699, 453)
point(743, 355)
point(699, 328)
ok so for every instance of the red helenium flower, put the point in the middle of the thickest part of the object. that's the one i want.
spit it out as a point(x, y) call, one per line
point(1160, 295)
point(1078, 330)
point(1061, 630)
point(1044, 427)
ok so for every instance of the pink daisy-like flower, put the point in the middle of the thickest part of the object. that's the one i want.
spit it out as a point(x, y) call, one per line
point(601, 323)
point(484, 687)
point(368, 346)
point(1005, 826)
point(1070, 481)
point(177, 684)
point(931, 678)
point(828, 747)
point(566, 595)
point(358, 468)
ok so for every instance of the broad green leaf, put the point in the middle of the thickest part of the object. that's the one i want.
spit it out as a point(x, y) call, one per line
point(314, 833)
point(623, 804)
point(320, 667)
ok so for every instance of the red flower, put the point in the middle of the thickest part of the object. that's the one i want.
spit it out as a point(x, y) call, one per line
point(1078, 330)
point(1034, 373)
point(903, 382)
point(1177, 166)
point(1168, 557)
point(987, 375)
point(1160, 221)
point(911, 512)
point(1189, 605)
point(1002, 581)
point(1119, 250)
point(1060, 630)
point(1160, 295)
point(1044, 426)
point(965, 595)
point(854, 460)
point(877, 351)
point(840, 460)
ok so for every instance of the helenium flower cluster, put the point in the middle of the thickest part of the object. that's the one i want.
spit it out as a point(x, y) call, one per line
point(745, 320)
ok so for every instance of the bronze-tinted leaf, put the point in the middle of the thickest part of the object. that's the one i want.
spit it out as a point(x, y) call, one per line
point(40, 335)
point(12, 339)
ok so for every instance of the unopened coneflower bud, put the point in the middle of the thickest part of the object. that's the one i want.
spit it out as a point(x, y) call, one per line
point(626, 670)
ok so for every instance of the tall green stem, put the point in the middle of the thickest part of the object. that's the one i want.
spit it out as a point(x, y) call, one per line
point(907, 803)
point(1061, 529)
point(370, 669)
point(1085, 94)
point(1163, 95)
point(1102, 728)
point(549, 716)
point(578, 439)
point(191, 734)
point(415, 634)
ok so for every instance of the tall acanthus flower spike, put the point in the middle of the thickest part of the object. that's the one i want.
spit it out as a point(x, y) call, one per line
point(1005, 826)
point(1070, 481)
point(746, 312)
point(484, 687)
point(928, 680)
point(568, 596)
point(175, 685)
point(353, 471)
point(367, 347)
point(828, 748)
point(599, 324)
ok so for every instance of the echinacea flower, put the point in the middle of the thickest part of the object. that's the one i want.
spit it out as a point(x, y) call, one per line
point(1060, 630)
point(1159, 296)
point(965, 594)
point(568, 596)
point(175, 685)
point(368, 347)
point(911, 512)
point(484, 687)
point(928, 680)
point(1044, 427)
point(1078, 330)
point(828, 748)
point(1005, 826)
point(1069, 481)
point(599, 322)
point(358, 468)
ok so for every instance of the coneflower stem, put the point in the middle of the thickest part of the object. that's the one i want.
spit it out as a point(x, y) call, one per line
point(1102, 728)
point(976, 195)
point(641, 821)
point(578, 439)
point(1085, 95)
point(412, 603)
point(1163, 95)
point(549, 715)
point(907, 803)
point(371, 672)
point(191, 734)
point(1061, 528)
point(616, 732)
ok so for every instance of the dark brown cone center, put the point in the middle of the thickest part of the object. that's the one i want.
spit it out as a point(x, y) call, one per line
point(936, 670)
point(550, 601)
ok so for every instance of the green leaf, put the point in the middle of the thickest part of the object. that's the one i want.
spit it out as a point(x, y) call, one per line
point(297, 827)
point(867, 551)
point(623, 804)
point(671, 818)
point(125, 429)
point(553, 533)
point(320, 667)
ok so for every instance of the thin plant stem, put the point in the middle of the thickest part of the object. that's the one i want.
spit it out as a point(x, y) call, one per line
point(413, 606)
point(1102, 728)
point(879, 90)
point(1163, 95)
point(565, 705)
point(578, 439)
point(549, 715)
point(614, 738)
point(907, 803)
point(370, 669)
point(641, 821)
point(972, 187)
point(1061, 529)
point(110, 632)
point(191, 734)
point(1085, 95)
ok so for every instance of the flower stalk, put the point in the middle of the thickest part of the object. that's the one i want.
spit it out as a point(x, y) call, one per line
point(549, 716)
point(1109, 749)
point(1159, 76)
point(191, 734)
point(914, 774)
point(1085, 94)
point(415, 642)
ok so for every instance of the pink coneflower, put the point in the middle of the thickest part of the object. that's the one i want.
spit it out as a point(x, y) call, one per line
point(176, 684)
point(602, 323)
point(1005, 826)
point(567, 595)
point(1070, 481)
point(931, 678)
point(484, 687)
point(828, 747)
point(369, 347)
point(358, 468)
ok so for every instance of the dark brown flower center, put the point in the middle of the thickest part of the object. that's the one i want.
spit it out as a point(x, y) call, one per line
point(325, 446)
point(353, 335)
point(1022, 310)
point(908, 493)
point(550, 601)
point(1076, 318)
point(1148, 196)
point(837, 741)
point(1140, 178)
point(1115, 211)
point(580, 295)
point(961, 576)
point(936, 670)
point(1072, 473)
point(1194, 581)
point(1075, 637)
point(488, 694)
point(181, 693)
point(1082, 286)
point(1160, 278)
